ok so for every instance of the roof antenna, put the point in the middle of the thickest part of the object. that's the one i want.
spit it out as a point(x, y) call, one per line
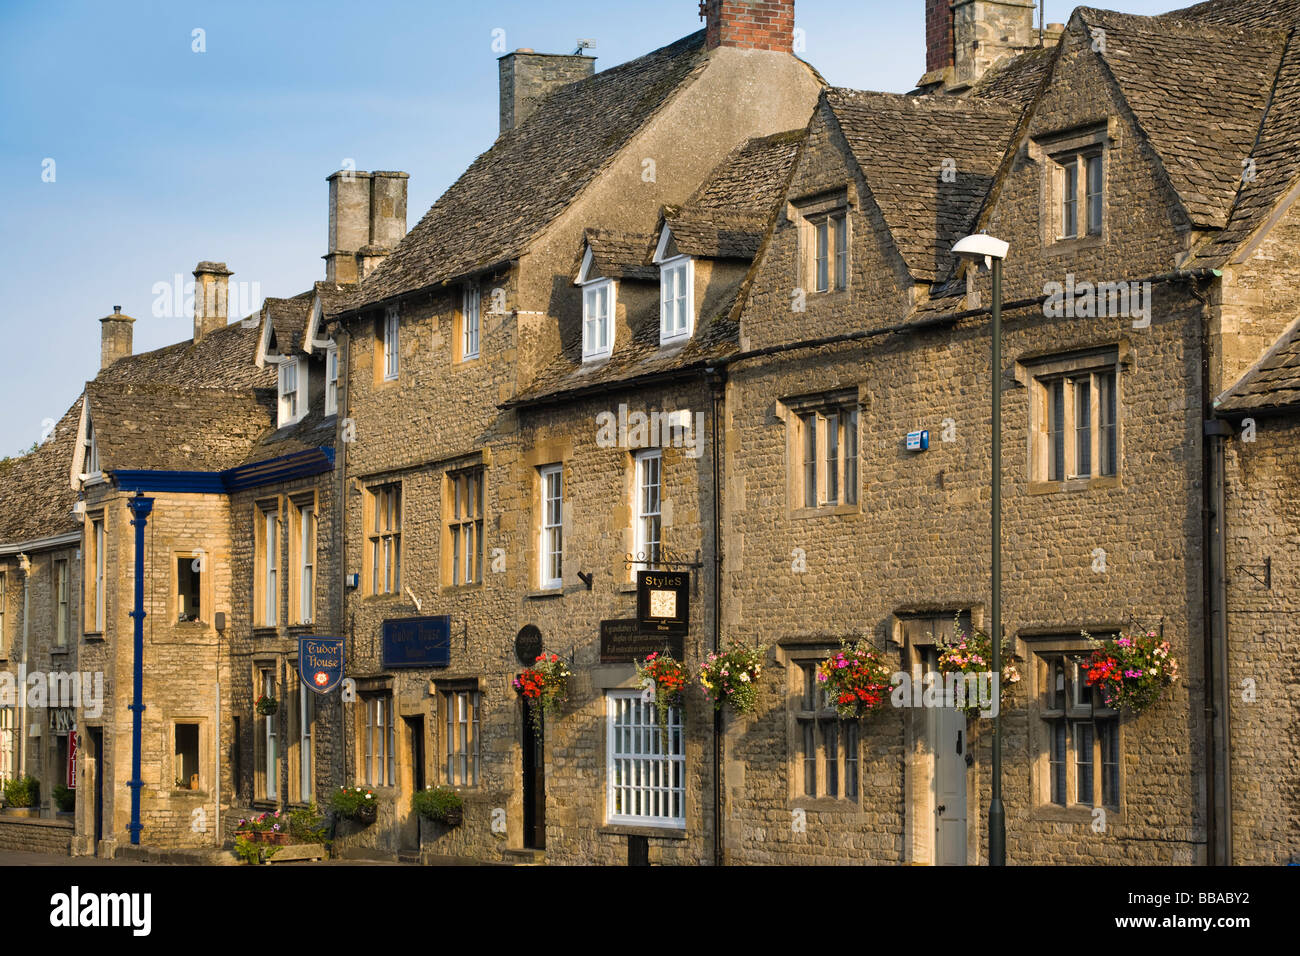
point(584, 45)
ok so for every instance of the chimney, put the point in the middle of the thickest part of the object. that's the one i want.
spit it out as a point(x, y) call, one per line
point(984, 31)
point(210, 288)
point(367, 221)
point(114, 337)
point(749, 24)
point(938, 36)
point(527, 78)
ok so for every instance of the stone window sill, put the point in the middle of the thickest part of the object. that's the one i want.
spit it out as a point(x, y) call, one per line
point(1073, 485)
point(544, 593)
point(654, 833)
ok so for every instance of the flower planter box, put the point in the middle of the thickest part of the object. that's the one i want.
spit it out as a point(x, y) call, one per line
point(366, 815)
point(22, 811)
point(453, 818)
point(276, 839)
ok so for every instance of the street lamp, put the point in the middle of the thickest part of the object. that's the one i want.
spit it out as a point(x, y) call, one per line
point(991, 252)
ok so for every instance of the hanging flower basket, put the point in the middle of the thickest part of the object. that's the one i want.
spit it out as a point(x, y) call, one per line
point(973, 654)
point(1132, 670)
point(855, 679)
point(266, 706)
point(732, 677)
point(668, 678)
point(355, 803)
point(545, 686)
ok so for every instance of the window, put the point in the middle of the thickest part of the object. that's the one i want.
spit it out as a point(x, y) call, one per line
point(676, 299)
point(8, 752)
point(302, 541)
point(302, 712)
point(469, 323)
point(95, 580)
point(646, 506)
point(829, 260)
point(90, 453)
point(465, 526)
point(332, 380)
point(62, 610)
point(1080, 185)
point(378, 740)
point(1076, 433)
point(826, 450)
point(4, 604)
point(186, 758)
point(293, 391)
point(267, 740)
point(189, 588)
point(828, 753)
point(390, 343)
point(385, 536)
point(552, 543)
point(460, 712)
point(597, 319)
point(1081, 735)
point(646, 778)
point(266, 594)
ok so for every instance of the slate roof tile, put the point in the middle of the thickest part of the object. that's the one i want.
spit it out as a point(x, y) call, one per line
point(1274, 381)
point(36, 496)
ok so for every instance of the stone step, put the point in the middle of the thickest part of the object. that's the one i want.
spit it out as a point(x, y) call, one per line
point(524, 857)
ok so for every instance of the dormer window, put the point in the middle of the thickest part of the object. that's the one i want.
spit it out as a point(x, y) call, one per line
point(823, 242)
point(293, 391)
point(390, 344)
point(469, 321)
point(91, 466)
point(676, 299)
point(597, 319)
point(332, 380)
point(1080, 180)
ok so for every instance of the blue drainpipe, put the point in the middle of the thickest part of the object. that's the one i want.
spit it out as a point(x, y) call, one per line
point(140, 507)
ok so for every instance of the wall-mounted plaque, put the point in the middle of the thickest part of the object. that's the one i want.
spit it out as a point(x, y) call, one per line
point(663, 601)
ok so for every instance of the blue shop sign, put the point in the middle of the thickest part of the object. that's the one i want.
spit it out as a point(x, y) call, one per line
point(320, 662)
point(417, 642)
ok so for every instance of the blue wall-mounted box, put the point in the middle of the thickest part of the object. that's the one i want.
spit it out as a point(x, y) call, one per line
point(918, 441)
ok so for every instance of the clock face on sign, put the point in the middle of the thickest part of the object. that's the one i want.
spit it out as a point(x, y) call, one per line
point(663, 604)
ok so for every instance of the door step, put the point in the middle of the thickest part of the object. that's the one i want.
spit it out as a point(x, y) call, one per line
point(524, 857)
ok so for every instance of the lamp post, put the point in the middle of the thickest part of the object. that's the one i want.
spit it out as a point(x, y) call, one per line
point(991, 252)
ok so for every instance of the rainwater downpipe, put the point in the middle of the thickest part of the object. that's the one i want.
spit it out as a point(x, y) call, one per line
point(717, 384)
point(25, 563)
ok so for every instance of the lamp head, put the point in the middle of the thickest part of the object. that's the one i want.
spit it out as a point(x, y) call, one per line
point(981, 247)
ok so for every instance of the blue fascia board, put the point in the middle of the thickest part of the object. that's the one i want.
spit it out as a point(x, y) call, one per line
point(315, 461)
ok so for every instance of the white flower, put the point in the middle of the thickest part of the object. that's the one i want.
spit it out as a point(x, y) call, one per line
point(744, 678)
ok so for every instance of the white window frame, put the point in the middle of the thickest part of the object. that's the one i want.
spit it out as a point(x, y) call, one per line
point(97, 530)
point(8, 744)
point(305, 707)
point(671, 271)
point(379, 739)
point(271, 742)
point(391, 343)
point(306, 562)
point(644, 786)
point(292, 378)
point(270, 559)
point(470, 323)
point(1078, 198)
point(332, 380)
point(4, 604)
point(465, 524)
point(90, 466)
point(62, 603)
point(644, 516)
point(384, 538)
point(826, 436)
point(461, 737)
point(551, 544)
point(592, 349)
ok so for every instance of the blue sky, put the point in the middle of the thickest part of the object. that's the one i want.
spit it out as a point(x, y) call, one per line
point(163, 156)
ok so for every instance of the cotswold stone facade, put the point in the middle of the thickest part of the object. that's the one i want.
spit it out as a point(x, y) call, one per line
point(687, 314)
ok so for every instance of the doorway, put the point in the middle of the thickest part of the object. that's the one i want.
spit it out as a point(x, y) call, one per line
point(949, 744)
point(415, 731)
point(96, 765)
point(534, 782)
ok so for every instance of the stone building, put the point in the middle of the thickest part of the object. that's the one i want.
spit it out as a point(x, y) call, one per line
point(694, 312)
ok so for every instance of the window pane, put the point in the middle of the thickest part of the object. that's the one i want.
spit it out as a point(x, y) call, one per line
point(810, 758)
point(832, 459)
point(1094, 194)
point(1058, 762)
point(1083, 761)
point(822, 254)
point(1056, 430)
point(1108, 443)
point(1070, 208)
point(831, 739)
point(851, 761)
point(851, 458)
point(841, 253)
point(810, 461)
point(1109, 730)
point(1083, 427)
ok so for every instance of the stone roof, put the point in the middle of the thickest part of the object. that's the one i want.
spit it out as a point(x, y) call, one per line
point(1015, 81)
point(1270, 14)
point(289, 319)
point(334, 297)
point(622, 255)
point(36, 497)
point(533, 172)
point(316, 430)
point(729, 213)
point(900, 142)
point(1272, 384)
point(167, 427)
point(1198, 91)
point(224, 358)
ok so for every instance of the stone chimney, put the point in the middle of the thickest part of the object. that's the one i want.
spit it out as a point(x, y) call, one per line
point(367, 221)
point(211, 311)
point(749, 24)
point(114, 337)
point(528, 77)
point(964, 38)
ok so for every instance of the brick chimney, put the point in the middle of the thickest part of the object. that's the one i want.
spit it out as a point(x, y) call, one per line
point(528, 77)
point(367, 221)
point(749, 24)
point(939, 51)
point(114, 337)
point(211, 311)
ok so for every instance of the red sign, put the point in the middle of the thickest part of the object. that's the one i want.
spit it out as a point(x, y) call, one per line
point(72, 761)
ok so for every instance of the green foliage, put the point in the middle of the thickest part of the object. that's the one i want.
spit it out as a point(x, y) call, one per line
point(307, 825)
point(64, 798)
point(254, 853)
point(442, 804)
point(355, 803)
point(22, 792)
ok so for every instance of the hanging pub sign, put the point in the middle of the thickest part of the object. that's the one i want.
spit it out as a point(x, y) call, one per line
point(320, 662)
point(417, 642)
point(622, 642)
point(663, 601)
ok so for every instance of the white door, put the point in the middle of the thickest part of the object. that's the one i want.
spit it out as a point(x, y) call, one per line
point(950, 788)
